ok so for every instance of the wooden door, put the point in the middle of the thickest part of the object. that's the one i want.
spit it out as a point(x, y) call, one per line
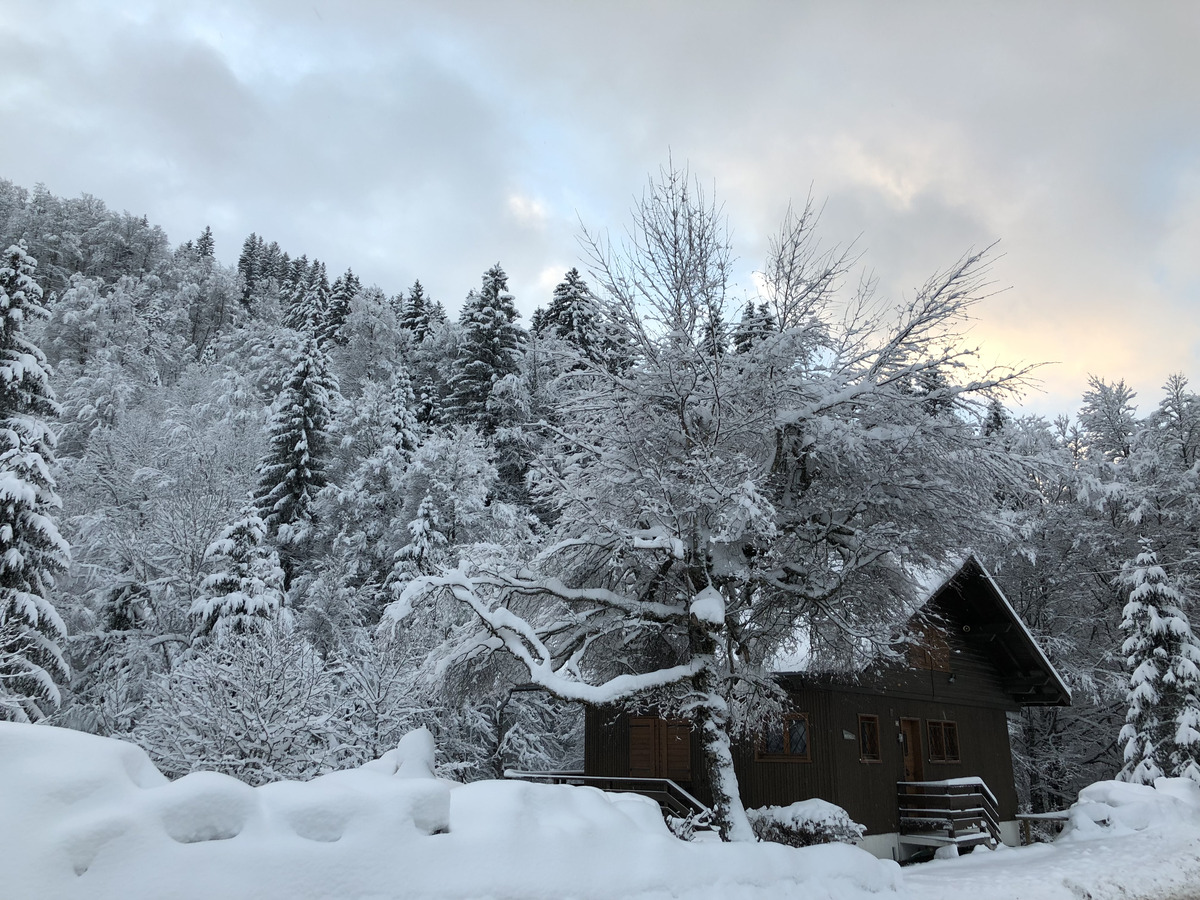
point(677, 751)
point(643, 747)
point(660, 749)
point(910, 738)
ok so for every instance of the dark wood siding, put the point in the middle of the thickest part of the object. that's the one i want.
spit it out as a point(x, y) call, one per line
point(866, 790)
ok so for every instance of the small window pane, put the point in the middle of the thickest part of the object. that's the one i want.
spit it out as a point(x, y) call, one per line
point(868, 737)
point(774, 740)
point(937, 746)
point(950, 730)
point(798, 736)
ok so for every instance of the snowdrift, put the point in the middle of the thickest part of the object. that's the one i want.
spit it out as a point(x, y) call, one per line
point(1113, 808)
point(1122, 842)
point(91, 817)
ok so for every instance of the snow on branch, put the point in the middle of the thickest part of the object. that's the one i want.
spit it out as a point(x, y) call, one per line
point(558, 670)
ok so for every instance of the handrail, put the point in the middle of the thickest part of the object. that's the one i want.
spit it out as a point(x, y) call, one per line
point(684, 802)
point(970, 780)
point(922, 806)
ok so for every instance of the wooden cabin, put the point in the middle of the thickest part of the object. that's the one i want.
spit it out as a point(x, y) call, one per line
point(916, 751)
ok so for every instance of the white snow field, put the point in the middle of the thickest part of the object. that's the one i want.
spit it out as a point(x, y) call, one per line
point(89, 817)
point(1148, 850)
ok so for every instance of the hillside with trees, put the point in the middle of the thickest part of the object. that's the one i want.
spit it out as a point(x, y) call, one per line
point(265, 519)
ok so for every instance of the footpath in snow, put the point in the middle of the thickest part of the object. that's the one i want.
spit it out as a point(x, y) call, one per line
point(89, 817)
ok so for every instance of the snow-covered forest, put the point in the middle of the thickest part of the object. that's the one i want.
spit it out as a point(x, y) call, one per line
point(264, 519)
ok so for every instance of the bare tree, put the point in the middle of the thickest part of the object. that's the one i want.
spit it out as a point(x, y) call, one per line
point(713, 510)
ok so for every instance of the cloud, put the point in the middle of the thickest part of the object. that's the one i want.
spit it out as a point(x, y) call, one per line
point(528, 211)
point(429, 140)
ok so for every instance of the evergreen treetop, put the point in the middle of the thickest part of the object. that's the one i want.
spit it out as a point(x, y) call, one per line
point(490, 350)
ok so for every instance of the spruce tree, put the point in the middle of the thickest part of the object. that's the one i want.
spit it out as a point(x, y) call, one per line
point(205, 244)
point(422, 553)
point(250, 266)
point(308, 302)
point(436, 313)
point(293, 470)
point(574, 316)
point(332, 321)
point(1162, 727)
point(715, 336)
point(415, 315)
point(406, 428)
point(757, 322)
point(490, 350)
point(31, 549)
point(247, 589)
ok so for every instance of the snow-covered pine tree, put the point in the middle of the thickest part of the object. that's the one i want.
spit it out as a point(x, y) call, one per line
point(31, 549)
point(293, 470)
point(415, 315)
point(246, 591)
point(330, 325)
point(756, 324)
point(716, 333)
point(249, 266)
point(205, 244)
point(490, 350)
point(422, 553)
point(1162, 728)
point(572, 312)
point(308, 302)
point(403, 420)
point(575, 316)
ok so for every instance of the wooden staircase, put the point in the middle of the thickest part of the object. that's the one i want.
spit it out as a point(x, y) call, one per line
point(957, 811)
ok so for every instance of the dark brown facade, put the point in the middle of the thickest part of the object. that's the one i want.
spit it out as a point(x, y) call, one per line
point(939, 714)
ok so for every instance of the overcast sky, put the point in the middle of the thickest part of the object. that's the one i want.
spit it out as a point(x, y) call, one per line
point(429, 140)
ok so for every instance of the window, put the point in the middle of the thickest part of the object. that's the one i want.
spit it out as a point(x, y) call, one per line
point(943, 742)
point(787, 741)
point(868, 739)
point(928, 648)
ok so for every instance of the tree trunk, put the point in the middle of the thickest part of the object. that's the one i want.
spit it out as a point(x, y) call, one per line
point(729, 815)
point(711, 719)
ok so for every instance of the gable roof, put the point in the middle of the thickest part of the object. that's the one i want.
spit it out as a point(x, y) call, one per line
point(973, 600)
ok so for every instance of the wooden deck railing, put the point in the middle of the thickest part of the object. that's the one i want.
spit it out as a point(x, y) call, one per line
point(673, 799)
point(958, 811)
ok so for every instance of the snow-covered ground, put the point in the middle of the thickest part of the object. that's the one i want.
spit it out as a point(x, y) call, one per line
point(1149, 850)
point(89, 817)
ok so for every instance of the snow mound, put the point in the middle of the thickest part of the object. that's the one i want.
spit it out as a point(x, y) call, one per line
point(1109, 808)
point(90, 817)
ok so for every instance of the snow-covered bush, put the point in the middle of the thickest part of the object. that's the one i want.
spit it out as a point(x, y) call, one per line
point(257, 706)
point(804, 823)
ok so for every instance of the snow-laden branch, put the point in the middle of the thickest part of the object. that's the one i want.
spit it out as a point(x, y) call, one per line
point(547, 668)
